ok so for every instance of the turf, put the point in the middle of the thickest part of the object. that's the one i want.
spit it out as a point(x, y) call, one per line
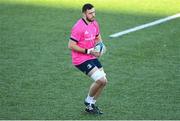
point(37, 80)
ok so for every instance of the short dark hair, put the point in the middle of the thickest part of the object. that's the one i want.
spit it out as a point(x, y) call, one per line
point(86, 7)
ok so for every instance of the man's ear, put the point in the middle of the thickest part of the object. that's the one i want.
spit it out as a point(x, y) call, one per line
point(83, 14)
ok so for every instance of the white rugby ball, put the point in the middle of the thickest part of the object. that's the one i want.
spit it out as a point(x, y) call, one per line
point(100, 47)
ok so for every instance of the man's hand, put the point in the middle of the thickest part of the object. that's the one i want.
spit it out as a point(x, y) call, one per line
point(95, 53)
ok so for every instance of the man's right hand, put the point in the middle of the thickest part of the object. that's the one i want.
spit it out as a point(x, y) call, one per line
point(95, 53)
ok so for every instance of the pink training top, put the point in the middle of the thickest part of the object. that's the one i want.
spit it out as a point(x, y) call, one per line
point(84, 34)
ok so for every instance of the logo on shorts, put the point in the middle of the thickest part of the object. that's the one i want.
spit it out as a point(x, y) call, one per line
point(89, 66)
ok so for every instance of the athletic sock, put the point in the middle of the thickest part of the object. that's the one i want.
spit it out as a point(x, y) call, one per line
point(93, 101)
point(89, 99)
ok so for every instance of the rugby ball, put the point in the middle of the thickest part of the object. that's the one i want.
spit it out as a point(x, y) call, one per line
point(100, 47)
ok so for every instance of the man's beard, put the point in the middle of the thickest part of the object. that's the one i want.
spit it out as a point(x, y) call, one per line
point(89, 20)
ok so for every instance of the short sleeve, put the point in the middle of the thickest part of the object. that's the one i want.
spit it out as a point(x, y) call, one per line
point(75, 33)
point(97, 28)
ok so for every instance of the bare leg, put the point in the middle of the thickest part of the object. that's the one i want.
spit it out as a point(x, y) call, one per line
point(94, 89)
point(101, 88)
point(98, 92)
point(97, 87)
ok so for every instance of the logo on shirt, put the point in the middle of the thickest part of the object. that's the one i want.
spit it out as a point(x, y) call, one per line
point(86, 32)
point(90, 38)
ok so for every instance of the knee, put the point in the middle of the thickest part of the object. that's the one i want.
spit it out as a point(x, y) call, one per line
point(103, 81)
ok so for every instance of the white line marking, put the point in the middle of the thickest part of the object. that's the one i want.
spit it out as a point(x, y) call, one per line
point(145, 25)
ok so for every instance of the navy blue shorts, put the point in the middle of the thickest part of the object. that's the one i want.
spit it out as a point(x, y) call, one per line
point(88, 65)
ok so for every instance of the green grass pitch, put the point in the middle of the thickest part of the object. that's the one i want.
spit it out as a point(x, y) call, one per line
point(37, 80)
